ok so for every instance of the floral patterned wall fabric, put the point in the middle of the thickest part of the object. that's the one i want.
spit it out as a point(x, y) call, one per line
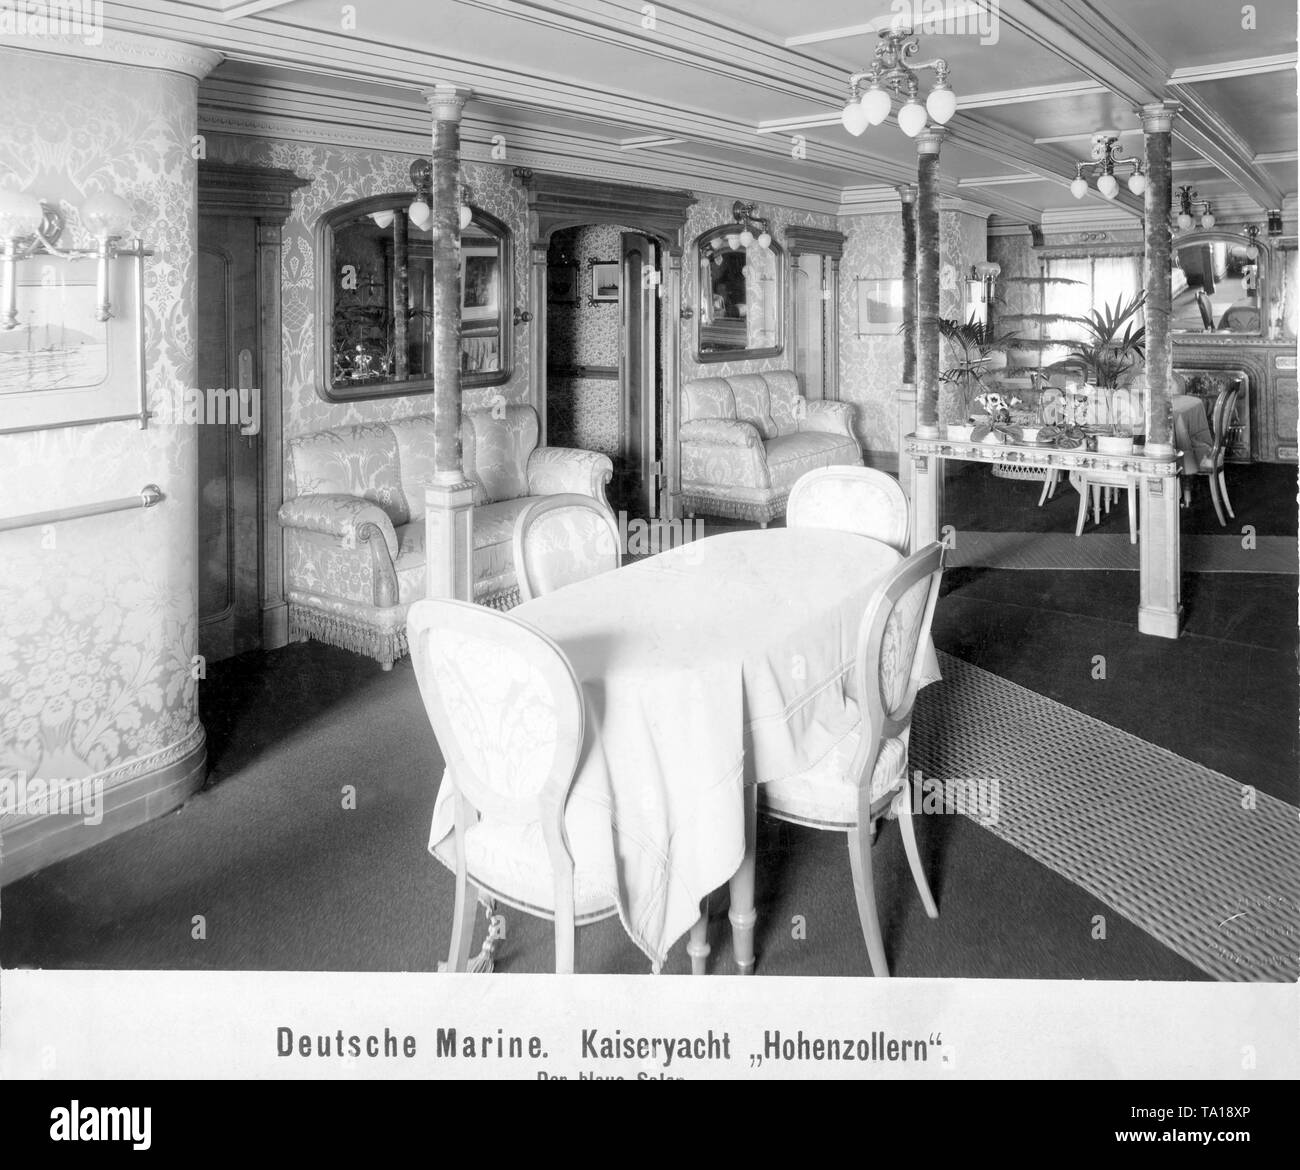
point(339, 175)
point(98, 616)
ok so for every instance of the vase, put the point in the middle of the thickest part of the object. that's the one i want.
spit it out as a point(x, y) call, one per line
point(1029, 435)
point(958, 432)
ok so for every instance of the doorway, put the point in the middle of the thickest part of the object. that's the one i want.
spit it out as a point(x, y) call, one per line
point(604, 374)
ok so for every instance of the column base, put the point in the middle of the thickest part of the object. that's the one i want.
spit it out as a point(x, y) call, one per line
point(1159, 622)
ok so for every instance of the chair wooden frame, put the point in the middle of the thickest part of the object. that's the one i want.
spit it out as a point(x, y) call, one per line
point(895, 531)
point(880, 723)
point(527, 519)
point(475, 796)
point(1225, 404)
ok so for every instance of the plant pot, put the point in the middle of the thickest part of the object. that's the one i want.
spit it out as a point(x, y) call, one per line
point(1029, 435)
point(1114, 444)
point(958, 432)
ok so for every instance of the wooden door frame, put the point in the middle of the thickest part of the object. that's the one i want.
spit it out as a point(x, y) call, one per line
point(811, 241)
point(563, 201)
point(264, 195)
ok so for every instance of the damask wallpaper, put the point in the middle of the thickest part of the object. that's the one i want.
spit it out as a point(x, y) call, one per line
point(98, 615)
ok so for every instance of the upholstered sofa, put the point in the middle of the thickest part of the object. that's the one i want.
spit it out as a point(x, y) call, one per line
point(746, 438)
point(354, 526)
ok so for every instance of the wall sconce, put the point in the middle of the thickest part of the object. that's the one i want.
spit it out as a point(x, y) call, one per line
point(1108, 157)
point(1188, 204)
point(746, 214)
point(979, 290)
point(31, 227)
point(1251, 232)
point(420, 211)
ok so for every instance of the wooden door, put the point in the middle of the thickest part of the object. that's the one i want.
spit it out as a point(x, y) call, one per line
point(639, 377)
point(229, 437)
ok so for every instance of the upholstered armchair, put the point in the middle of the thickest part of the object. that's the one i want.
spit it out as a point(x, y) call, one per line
point(746, 438)
point(354, 525)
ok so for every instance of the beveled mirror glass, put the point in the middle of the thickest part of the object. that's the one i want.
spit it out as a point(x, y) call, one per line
point(375, 292)
point(741, 308)
point(1220, 284)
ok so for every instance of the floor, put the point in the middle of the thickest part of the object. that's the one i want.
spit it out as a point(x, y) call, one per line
point(287, 878)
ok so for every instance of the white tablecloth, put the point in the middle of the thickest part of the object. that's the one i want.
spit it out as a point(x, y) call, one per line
point(720, 663)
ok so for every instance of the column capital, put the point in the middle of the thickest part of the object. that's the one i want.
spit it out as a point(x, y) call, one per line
point(906, 192)
point(447, 101)
point(930, 139)
point(1158, 117)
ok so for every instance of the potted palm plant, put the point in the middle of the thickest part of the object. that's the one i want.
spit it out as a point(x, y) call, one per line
point(1113, 344)
point(976, 352)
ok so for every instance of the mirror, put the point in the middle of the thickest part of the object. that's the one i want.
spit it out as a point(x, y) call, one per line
point(741, 301)
point(375, 292)
point(1220, 285)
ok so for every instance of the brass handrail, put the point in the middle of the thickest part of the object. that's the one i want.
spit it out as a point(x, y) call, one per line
point(149, 495)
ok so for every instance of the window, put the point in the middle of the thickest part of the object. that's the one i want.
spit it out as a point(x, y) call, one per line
point(1099, 281)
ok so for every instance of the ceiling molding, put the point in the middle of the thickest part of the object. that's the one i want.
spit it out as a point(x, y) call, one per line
point(1000, 180)
point(1089, 219)
point(1033, 93)
point(1193, 74)
point(113, 46)
point(1081, 33)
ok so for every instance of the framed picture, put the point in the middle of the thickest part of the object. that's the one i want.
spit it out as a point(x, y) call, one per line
point(61, 367)
point(562, 284)
point(480, 283)
point(880, 304)
point(604, 280)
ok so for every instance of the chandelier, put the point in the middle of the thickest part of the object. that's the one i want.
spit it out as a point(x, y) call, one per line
point(1187, 210)
point(421, 210)
point(1108, 157)
point(891, 75)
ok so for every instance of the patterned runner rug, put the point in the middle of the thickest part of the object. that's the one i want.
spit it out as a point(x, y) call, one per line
point(1198, 860)
point(1054, 550)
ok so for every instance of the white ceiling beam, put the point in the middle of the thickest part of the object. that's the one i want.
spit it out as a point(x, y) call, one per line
point(1192, 74)
point(950, 14)
point(252, 8)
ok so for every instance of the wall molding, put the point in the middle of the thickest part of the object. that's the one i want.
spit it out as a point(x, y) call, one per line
point(134, 793)
point(118, 47)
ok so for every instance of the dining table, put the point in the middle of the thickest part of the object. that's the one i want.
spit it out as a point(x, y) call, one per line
point(705, 670)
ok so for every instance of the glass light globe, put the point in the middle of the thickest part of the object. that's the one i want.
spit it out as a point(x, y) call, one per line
point(1252, 252)
point(941, 104)
point(1108, 185)
point(1207, 220)
point(765, 240)
point(733, 241)
point(383, 219)
point(854, 118)
point(20, 215)
point(1079, 188)
point(1137, 183)
point(1184, 221)
point(876, 105)
point(421, 214)
point(466, 216)
point(746, 238)
point(106, 215)
point(912, 118)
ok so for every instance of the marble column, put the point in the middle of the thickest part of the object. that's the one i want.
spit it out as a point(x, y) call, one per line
point(907, 386)
point(449, 498)
point(927, 285)
point(927, 473)
point(1160, 608)
point(1157, 127)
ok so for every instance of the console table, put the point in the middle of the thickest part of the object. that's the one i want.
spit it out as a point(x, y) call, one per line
point(1160, 608)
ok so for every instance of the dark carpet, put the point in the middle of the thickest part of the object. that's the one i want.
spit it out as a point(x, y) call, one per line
point(287, 878)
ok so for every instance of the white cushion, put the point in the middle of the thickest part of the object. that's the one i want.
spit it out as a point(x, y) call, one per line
point(825, 794)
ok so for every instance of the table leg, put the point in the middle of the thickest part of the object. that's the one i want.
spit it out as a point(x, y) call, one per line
point(742, 913)
point(698, 948)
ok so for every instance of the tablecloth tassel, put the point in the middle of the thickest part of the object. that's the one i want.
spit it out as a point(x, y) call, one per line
point(484, 962)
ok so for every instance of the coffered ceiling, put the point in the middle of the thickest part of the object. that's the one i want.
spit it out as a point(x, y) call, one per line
point(743, 96)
